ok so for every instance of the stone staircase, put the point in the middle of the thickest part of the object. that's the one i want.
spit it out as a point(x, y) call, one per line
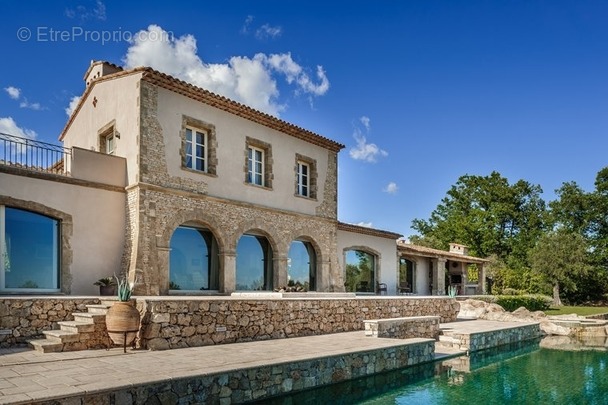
point(86, 331)
point(449, 339)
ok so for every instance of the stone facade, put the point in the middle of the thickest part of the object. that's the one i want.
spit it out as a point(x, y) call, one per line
point(171, 324)
point(403, 328)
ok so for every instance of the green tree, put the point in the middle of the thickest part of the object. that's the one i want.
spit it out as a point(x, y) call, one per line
point(561, 257)
point(489, 215)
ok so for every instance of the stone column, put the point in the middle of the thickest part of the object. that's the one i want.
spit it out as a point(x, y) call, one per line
point(465, 280)
point(279, 271)
point(228, 271)
point(438, 276)
point(481, 279)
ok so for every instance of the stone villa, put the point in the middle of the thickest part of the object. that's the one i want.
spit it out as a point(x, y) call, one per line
point(189, 192)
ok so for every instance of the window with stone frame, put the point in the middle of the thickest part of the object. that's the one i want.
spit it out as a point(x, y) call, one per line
point(306, 177)
point(258, 163)
point(107, 136)
point(199, 146)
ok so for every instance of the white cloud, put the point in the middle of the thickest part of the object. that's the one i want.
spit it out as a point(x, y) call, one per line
point(266, 31)
point(364, 224)
point(247, 24)
point(84, 13)
point(251, 81)
point(391, 188)
point(10, 127)
point(13, 92)
point(368, 152)
point(72, 106)
point(32, 106)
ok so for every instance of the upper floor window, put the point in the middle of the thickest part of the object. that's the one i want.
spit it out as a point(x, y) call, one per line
point(107, 138)
point(306, 177)
point(199, 146)
point(196, 149)
point(255, 166)
point(303, 179)
point(258, 163)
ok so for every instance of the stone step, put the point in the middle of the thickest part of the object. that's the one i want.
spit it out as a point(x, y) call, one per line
point(76, 326)
point(45, 345)
point(448, 340)
point(61, 335)
point(100, 309)
point(108, 303)
point(86, 317)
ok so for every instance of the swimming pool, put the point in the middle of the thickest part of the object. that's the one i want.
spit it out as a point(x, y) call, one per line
point(525, 373)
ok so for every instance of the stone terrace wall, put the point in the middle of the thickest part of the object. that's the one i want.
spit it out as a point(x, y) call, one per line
point(24, 318)
point(177, 323)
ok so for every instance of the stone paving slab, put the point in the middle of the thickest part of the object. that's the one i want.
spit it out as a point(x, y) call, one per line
point(27, 375)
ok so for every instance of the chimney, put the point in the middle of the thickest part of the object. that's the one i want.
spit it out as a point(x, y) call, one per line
point(459, 249)
point(99, 69)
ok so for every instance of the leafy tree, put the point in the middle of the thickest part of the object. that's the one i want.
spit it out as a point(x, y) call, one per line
point(489, 215)
point(560, 256)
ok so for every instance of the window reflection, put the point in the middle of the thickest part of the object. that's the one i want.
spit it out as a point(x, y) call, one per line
point(360, 271)
point(301, 266)
point(253, 263)
point(30, 250)
point(193, 261)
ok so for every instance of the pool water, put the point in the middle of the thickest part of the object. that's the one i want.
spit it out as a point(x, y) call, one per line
point(515, 374)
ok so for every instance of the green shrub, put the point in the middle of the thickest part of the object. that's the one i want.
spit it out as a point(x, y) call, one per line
point(532, 302)
point(510, 291)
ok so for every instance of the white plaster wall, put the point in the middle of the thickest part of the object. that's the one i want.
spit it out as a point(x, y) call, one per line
point(231, 133)
point(117, 99)
point(98, 218)
point(387, 270)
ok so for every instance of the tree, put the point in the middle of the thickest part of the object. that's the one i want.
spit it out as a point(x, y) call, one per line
point(490, 216)
point(561, 257)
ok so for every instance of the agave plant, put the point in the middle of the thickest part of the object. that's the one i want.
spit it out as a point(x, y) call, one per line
point(124, 289)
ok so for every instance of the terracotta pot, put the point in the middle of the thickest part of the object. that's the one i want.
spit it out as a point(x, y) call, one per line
point(122, 322)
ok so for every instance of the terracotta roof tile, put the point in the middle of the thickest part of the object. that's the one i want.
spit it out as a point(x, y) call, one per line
point(205, 96)
point(368, 231)
point(416, 250)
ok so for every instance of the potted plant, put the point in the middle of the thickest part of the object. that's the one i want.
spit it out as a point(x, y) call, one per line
point(107, 286)
point(122, 318)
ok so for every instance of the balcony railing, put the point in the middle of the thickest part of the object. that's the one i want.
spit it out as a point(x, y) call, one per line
point(33, 155)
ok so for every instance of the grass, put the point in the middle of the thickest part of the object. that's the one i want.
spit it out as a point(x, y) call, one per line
point(583, 311)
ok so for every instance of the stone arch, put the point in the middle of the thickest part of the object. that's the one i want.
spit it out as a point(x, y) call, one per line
point(257, 226)
point(305, 234)
point(181, 217)
point(66, 229)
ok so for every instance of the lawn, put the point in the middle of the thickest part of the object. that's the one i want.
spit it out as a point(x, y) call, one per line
point(584, 311)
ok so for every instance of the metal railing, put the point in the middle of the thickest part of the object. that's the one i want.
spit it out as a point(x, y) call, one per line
point(30, 154)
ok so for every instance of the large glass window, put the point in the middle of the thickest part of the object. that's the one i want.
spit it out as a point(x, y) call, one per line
point(360, 271)
point(301, 266)
point(29, 243)
point(196, 149)
point(406, 276)
point(253, 263)
point(193, 262)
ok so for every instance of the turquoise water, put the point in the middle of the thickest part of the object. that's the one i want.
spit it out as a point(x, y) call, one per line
point(517, 374)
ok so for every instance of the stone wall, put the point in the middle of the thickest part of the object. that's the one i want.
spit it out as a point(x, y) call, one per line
point(484, 340)
point(404, 328)
point(262, 383)
point(171, 324)
point(26, 318)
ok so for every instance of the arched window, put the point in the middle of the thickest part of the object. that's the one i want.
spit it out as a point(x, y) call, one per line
point(360, 271)
point(253, 263)
point(301, 265)
point(29, 245)
point(193, 262)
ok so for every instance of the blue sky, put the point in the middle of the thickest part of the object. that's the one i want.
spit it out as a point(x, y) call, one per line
point(420, 92)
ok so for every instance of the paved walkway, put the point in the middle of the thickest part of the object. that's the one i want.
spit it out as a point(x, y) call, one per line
point(27, 375)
